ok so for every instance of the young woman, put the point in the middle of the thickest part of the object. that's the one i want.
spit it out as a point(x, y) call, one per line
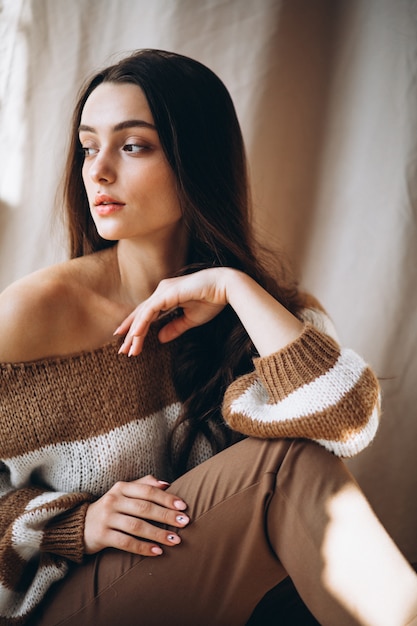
point(123, 499)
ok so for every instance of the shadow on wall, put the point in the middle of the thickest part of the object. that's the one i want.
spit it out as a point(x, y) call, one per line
point(290, 129)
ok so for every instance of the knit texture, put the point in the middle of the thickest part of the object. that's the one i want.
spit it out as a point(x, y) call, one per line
point(70, 427)
point(311, 389)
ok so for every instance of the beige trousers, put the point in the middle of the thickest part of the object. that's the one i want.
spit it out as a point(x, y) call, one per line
point(260, 510)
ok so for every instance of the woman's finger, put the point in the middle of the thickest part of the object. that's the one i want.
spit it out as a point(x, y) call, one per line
point(128, 543)
point(132, 345)
point(125, 324)
point(142, 529)
point(144, 489)
point(174, 329)
point(152, 481)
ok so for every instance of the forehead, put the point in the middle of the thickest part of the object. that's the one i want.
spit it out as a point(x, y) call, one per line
point(112, 103)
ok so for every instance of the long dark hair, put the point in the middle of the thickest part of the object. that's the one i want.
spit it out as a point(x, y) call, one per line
point(201, 137)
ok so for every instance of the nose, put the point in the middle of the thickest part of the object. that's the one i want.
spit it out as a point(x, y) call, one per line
point(102, 168)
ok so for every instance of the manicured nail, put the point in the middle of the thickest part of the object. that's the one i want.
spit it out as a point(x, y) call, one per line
point(163, 482)
point(182, 519)
point(173, 538)
point(179, 504)
point(117, 331)
point(156, 550)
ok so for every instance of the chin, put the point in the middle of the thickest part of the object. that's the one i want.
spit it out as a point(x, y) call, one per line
point(109, 232)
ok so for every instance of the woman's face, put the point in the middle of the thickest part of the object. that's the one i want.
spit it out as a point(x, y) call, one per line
point(131, 188)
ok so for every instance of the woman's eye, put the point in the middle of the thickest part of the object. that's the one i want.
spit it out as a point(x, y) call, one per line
point(133, 147)
point(88, 151)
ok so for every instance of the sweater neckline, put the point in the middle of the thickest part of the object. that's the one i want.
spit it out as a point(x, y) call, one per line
point(109, 346)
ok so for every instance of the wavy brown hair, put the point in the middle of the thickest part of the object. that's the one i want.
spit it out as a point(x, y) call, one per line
point(202, 140)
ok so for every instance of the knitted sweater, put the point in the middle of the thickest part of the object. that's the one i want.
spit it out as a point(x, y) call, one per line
point(71, 426)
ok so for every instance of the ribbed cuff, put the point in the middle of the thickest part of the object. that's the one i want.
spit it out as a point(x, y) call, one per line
point(65, 535)
point(302, 361)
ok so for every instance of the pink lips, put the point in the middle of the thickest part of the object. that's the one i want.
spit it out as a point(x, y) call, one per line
point(106, 205)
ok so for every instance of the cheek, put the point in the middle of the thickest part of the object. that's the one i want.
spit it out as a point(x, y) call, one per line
point(168, 199)
point(168, 188)
point(158, 185)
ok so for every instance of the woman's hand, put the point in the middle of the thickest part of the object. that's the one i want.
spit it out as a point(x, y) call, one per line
point(122, 518)
point(200, 297)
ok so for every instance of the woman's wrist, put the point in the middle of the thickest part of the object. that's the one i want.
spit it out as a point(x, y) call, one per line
point(269, 324)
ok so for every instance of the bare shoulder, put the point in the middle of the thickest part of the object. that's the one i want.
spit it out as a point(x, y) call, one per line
point(31, 313)
point(51, 312)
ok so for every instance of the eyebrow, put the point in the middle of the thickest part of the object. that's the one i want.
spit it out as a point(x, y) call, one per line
point(120, 126)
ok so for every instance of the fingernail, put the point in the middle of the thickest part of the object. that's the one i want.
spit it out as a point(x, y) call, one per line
point(130, 351)
point(173, 538)
point(117, 331)
point(182, 519)
point(156, 550)
point(163, 482)
point(121, 348)
point(179, 504)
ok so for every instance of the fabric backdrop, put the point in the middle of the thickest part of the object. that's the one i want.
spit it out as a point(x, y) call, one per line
point(326, 93)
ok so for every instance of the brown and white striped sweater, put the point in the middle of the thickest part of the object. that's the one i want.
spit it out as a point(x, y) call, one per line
point(70, 427)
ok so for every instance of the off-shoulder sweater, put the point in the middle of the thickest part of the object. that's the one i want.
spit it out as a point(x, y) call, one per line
point(71, 426)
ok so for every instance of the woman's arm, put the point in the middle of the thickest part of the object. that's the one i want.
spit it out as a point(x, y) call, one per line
point(311, 389)
point(201, 296)
point(304, 384)
point(31, 557)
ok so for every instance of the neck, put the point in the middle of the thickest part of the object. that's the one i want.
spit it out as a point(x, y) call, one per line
point(142, 265)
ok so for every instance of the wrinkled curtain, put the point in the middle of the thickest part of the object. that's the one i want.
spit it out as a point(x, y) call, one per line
point(327, 96)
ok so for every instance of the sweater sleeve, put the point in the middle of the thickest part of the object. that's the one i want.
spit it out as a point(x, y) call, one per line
point(310, 389)
point(40, 530)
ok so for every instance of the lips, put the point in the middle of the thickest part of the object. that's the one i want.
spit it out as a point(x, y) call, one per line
point(106, 205)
